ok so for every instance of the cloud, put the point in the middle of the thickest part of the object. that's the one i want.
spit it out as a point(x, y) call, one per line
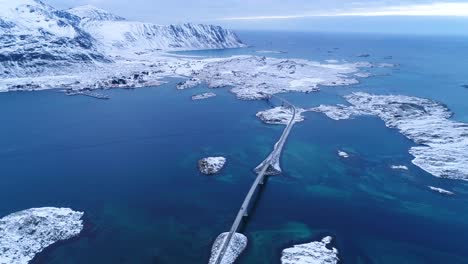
point(450, 9)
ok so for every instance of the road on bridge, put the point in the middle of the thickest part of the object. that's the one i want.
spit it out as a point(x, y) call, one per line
point(270, 161)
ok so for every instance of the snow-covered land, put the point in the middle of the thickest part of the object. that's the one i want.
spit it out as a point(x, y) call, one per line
point(24, 234)
point(36, 38)
point(235, 248)
point(203, 96)
point(442, 142)
point(311, 253)
point(115, 34)
point(90, 48)
point(252, 77)
point(211, 165)
point(440, 190)
point(280, 115)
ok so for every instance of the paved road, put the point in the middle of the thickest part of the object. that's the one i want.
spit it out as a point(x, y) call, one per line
point(271, 161)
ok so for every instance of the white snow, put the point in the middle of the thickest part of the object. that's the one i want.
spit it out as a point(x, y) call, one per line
point(280, 115)
point(440, 190)
point(235, 248)
point(203, 96)
point(343, 154)
point(442, 142)
point(87, 47)
point(399, 167)
point(89, 13)
point(34, 17)
point(338, 112)
point(117, 35)
point(190, 83)
point(311, 253)
point(211, 165)
point(251, 77)
point(271, 51)
point(305, 82)
point(24, 234)
point(37, 39)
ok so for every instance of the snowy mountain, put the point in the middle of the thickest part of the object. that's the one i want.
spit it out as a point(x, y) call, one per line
point(90, 13)
point(115, 34)
point(35, 37)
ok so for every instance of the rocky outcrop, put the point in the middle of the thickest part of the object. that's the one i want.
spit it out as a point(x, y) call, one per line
point(442, 142)
point(311, 253)
point(280, 115)
point(26, 233)
point(211, 165)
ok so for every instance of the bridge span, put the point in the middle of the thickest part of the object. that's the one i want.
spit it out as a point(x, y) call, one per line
point(270, 166)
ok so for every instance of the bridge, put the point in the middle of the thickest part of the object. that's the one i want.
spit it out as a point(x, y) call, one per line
point(270, 166)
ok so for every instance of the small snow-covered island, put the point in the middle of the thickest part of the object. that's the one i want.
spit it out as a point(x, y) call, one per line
point(279, 115)
point(203, 96)
point(343, 154)
point(399, 167)
point(311, 253)
point(26, 233)
point(236, 247)
point(211, 165)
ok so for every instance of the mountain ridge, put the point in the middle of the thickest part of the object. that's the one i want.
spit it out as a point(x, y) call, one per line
point(35, 36)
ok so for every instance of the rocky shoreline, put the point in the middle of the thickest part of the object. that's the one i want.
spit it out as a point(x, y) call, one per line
point(26, 233)
point(312, 253)
point(442, 142)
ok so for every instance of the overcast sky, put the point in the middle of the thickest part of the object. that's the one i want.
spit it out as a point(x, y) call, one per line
point(405, 16)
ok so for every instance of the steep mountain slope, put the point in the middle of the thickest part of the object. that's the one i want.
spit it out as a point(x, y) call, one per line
point(34, 36)
point(116, 34)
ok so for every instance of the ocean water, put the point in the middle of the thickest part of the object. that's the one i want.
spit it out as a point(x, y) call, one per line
point(130, 164)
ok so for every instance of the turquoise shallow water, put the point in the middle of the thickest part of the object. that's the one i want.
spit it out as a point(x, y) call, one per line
point(130, 164)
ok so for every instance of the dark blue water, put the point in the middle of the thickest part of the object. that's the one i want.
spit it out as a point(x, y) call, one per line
point(130, 164)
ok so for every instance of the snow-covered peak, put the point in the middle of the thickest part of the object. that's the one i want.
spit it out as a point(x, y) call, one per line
point(32, 17)
point(123, 37)
point(36, 37)
point(91, 13)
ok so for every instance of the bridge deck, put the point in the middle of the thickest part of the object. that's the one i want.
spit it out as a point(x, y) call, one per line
point(272, 158)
